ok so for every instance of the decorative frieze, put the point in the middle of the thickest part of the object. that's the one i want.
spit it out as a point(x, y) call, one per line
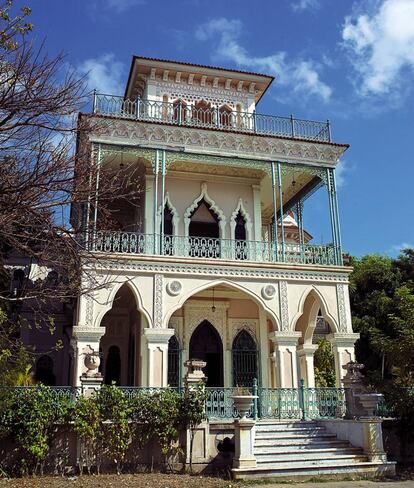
point(284, 305)
point(158, 289)
point(224, 143)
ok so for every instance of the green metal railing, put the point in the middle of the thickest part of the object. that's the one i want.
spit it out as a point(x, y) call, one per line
point(213, 248)
point(210, 118)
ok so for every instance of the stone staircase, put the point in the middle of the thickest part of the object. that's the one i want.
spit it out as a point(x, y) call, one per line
point(294, 449)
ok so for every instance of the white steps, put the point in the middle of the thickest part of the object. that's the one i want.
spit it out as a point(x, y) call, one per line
point(295, 449)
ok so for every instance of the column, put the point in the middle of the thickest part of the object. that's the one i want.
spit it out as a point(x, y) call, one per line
point(306, 368)
point(275, 239)
point(264, 350)
point(84, 342)
point(343, 348)
point(257, 211)
point(285, 358)
point(149, 205)
point(282, 230)
point(157, 356)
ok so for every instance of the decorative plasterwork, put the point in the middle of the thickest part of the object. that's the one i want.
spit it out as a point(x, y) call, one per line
point(174, 287)
point(213, 206)
point(112, 265)
point(248, 221)
point(284, 305)
point(197, 312)
point(219, 142)
point(340, 292)
point(176, 323)
point(176, 216)
point(237, 325)
point(158, 291)
point(268, 292)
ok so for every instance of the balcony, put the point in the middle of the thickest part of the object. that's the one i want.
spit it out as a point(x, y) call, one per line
point(210, 118)
point(214, 249)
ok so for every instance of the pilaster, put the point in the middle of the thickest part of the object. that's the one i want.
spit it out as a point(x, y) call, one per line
point(286, 359)
point(157, 360)
point(306, 364)
point(343, 348)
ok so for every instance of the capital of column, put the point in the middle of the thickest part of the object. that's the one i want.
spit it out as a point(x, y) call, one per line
point(285, 338)
point(306, 349)
point(87, 334)
point(158, 336)
point(341, 339)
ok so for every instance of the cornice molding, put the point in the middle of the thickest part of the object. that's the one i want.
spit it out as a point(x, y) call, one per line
point(106, 266)
point(222, 143)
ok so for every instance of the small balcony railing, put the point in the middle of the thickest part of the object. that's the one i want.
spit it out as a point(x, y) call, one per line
point(210, 118)
point(212, 248)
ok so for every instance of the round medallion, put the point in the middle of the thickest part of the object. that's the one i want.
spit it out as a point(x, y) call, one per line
point(174, 288)
point(268, 292)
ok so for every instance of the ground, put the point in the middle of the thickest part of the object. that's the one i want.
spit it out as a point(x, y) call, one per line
point(184, 481)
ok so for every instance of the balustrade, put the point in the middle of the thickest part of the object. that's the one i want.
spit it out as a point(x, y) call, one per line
point(212, 248)
point(211, 118)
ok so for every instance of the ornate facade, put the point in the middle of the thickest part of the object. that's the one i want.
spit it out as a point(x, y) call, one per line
point(213, 262)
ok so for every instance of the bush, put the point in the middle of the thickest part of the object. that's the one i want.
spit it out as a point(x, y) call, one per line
point(31, 420)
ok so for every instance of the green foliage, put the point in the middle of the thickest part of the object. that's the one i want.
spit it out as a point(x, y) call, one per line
point(31, 420)
point(324, 365)
point(158, 417)
point(116, 430)
point(382, 303)
point(86, 423)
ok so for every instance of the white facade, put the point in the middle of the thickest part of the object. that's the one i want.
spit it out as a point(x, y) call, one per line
point(210, 187)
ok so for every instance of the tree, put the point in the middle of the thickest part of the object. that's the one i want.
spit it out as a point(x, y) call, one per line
point(324, 365)
point(43, 178)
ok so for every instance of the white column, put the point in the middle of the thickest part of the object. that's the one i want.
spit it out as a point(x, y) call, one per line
point(157, 356)
point(82, 341)
point(306, 366)
point(264, 350)
point(286, 358)
point(343, 348)
point(257, 212)
point(149, 204)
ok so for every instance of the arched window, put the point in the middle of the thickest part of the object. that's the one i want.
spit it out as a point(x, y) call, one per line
point(173, 362)
point(113, 366)
point(44, 371)
point(203, 113)
point(204, 232)
point(240, 236)
point(168, 232)
point(225, 116)
point(244, 354)
point(206, 344)
point(179, 111)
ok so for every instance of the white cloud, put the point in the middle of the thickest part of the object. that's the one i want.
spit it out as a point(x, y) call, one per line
point(398, 248)
point(104, 74)
point(381, 46)
point(342, 172)
point(299, 75)
point(305, 5)
point(120, 6)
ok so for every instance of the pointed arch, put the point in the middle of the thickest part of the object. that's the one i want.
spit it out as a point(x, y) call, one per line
point(257, 298)
point(244, 359)
point(226, 116)
point(111, 297)
point(240, 208)
point(213, 207)
point(311, 302)
point(175, 214)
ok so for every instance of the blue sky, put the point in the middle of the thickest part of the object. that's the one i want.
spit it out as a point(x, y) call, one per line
point(350, 62)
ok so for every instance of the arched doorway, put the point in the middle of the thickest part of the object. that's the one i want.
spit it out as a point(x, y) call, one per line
point(121, 343)
point(206, 344)
point(44, 371)
point(240, 237)
point(244, 354)
point(173, 362)
point(168, 249)
point(113, 366)
point(204, 232)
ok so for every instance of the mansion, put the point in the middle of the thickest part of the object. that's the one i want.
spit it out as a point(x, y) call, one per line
point(211, 259)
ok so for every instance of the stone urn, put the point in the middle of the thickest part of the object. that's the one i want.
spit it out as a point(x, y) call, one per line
point(243, 404)
point(369, 402)
point(92, 362)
